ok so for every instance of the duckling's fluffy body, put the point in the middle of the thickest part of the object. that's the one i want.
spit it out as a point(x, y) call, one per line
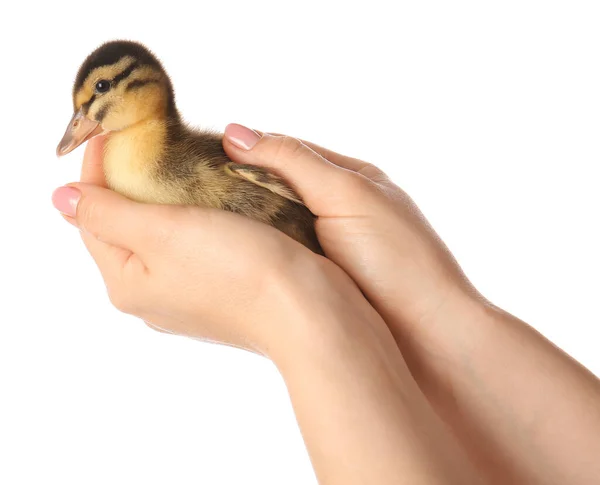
point(168, 163)
point(152, 156)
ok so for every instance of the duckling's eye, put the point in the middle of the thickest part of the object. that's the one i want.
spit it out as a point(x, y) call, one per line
point(102, 86)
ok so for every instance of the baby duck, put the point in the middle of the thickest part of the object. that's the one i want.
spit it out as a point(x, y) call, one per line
point(151, 155)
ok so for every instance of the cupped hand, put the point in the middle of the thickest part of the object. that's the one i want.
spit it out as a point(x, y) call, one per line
point(197, 272)
point(366, 224)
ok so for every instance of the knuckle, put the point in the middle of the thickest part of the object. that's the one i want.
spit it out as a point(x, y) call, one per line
point(134, 275)
point(354, 182)
point(369, 168)
point(288, 147)
point(357, 187)
point(372, 172)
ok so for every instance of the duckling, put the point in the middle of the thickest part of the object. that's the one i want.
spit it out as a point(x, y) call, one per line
point(151, 155)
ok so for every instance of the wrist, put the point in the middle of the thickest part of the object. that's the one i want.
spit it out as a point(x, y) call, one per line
point(353, 394)
point(456, 329)
point(317, 307)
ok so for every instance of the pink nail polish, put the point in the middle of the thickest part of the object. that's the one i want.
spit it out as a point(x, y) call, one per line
point(241, 137)
point(65, 199)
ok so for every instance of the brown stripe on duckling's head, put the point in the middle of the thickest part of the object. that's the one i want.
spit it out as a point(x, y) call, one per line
point(113, 53)
point(110, 53)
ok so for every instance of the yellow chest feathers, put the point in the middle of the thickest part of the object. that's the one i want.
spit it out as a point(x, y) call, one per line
point(131, 159)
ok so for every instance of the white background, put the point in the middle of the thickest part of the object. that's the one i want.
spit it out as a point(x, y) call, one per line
point(487, 113)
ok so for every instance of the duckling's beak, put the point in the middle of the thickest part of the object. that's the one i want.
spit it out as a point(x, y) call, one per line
point(80, 130)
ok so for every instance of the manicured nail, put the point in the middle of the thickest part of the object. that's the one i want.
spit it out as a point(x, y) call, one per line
point(241, 137)
point(65, 199)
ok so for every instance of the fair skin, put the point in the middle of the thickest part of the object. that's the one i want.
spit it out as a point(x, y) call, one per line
point(491, 401)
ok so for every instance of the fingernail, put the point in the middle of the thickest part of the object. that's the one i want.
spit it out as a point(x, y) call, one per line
point(65, 199)
point(241, 137)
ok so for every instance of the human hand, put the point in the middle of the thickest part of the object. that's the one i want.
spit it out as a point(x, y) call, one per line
point(509, 395)
point(366, 224)
point(217, 276)
point(202, 273)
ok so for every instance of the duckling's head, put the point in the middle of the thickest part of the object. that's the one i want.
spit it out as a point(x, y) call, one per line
point(118, 85)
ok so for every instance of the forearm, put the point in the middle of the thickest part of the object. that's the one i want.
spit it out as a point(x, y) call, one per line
point(363, 418)
point(525, 410)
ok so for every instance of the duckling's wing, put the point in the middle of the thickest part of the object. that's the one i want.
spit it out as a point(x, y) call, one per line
point(262, 178)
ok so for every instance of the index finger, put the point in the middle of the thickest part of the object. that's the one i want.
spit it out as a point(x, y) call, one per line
point(92, 171)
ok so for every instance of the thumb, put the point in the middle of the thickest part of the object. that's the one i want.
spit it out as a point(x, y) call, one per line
point(106, 215)
point(325, 188)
